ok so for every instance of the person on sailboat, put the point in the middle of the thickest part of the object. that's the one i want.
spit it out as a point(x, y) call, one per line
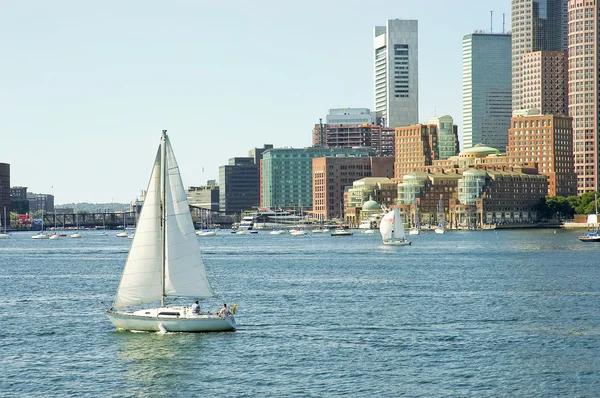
point(224, 312)
point(196, 308)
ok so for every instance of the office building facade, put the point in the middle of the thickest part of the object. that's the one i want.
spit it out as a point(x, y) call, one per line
point(545, 140)
point(239, 185)
point(4, 189)
point(486, 89)
point(396, 80)
point(537, 25)
point(286, 174)
point(545, 82)
point(331, 176)
point(448, 144)
point(584, 102)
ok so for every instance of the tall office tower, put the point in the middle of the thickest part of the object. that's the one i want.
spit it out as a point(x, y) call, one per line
point(537, 25)
point(545, 82)
point(486, 89)
point(583, 91)
point(239, 185)
point(447, 136)
point(396, 82)
point(4, 188)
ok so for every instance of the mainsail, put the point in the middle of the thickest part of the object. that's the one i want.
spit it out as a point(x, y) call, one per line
point(386, 226)
point(184, 275)
point(398, 226)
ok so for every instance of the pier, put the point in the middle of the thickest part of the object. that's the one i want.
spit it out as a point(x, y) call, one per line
point(105, 220)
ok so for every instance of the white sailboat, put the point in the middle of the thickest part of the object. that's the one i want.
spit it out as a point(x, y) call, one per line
point(77, 234)
point(441, 228)
point(164, 260)
point(416, 229)
point(41, 234)
point(392, 230)
point(4, 235)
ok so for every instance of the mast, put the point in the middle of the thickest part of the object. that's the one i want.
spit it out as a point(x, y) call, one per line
point(163, 214)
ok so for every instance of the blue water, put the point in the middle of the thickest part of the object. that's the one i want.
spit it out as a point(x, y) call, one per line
point(506, 313)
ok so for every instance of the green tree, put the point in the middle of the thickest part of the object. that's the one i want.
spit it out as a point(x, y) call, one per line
point(559, 207)
point(587, 204)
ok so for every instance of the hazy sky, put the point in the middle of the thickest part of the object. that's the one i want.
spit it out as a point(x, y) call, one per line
point(87, 86)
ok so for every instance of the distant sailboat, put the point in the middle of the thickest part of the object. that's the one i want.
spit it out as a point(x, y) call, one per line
point(41, 234)
point(164, 260)
point(4, 235)
point(392, 230)
point(441, 228)
point(416, 229)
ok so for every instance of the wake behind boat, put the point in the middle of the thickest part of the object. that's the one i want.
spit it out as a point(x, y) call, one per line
point(164, 260)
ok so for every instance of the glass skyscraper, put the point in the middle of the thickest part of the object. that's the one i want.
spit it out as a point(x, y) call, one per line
point(486, 89)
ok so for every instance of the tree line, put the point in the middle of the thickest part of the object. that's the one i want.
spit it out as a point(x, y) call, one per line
point(559, 207)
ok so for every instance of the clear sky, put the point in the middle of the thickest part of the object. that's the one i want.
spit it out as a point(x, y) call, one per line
point(86, 87)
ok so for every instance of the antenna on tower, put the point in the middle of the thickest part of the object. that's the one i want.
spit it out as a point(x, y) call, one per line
point(491, 22)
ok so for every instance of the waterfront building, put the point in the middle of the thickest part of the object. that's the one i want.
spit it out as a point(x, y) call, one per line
point(396, 79)
point(447, 132)
point(547, 141)
point(544, 82)
point(204, 197)
point(5, 201)
point(486, 89)
point(474, 197)
point(331, 176)
point(40, 201)
point(429, 188)
point(18, 200)
point(366, 199)
point(286, 174)
point(416, 146)
point(584, 102)
point(239, 185)
point(537, 25)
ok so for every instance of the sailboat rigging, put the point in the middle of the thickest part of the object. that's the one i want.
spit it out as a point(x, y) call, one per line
point(416, 229)
point(164, 260)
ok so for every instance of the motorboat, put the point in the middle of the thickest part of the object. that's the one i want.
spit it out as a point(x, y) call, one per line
point(590, 237)
point(341, 231)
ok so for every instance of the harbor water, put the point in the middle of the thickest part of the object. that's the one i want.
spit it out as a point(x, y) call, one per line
point(472, 313)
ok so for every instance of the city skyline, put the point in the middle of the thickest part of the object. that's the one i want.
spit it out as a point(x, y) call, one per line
point(87, 88)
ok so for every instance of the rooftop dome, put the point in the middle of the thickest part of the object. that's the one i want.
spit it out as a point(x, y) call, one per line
point(370, 205)
point(478, 150)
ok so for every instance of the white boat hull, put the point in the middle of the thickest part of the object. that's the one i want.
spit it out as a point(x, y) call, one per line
point(413, 231)
point(159, 319)
point(440, 231)
point(206, 233)
point(397, 242)
point(4, 236)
